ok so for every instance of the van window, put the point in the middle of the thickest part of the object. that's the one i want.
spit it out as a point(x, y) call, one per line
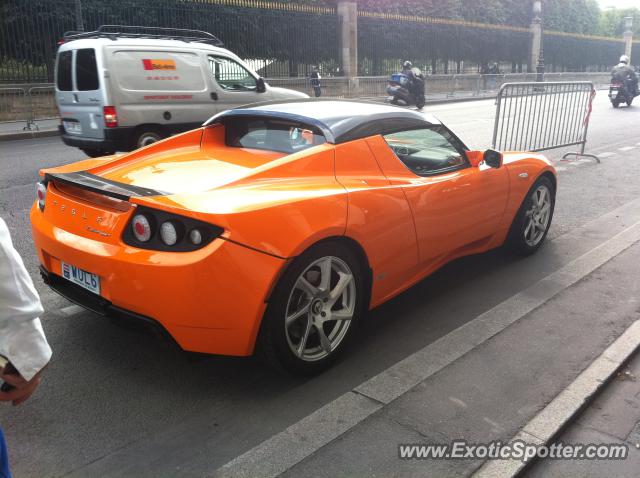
point(271, 135)
point(86, 70)
point(231, 75)
point(63, 77)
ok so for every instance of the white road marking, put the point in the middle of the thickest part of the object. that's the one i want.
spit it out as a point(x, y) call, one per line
point(71, 310)
point(560, 168)
point(606, 155)
point(626, 148)
point(458, 402)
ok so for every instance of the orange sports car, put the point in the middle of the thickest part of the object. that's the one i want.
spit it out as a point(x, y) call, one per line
point(277, 226)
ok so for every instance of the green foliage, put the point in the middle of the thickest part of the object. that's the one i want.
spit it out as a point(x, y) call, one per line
point(612, 22)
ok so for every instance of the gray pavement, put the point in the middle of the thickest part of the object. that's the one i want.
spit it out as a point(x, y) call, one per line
point(118, 404)
point(614, 417)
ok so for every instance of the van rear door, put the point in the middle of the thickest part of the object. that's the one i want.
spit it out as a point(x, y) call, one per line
point(79, 93)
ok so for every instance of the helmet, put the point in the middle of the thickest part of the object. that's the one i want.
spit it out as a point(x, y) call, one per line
point(624, 59)
point(407, 65)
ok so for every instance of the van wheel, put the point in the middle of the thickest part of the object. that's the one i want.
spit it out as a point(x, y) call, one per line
point(96, 153)
point(145, 137)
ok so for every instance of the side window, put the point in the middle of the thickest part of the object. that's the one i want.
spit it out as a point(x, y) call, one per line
point(270, 135)
point(230, 75)
point(63, 76)
point(427, 151)
point(86, 70)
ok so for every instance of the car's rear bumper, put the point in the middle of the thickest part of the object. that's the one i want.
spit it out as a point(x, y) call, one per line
point(210, 301)
point(99, 305)
point(115, 139)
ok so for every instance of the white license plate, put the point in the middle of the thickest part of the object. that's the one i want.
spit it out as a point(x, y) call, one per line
point(84, 279)
point(72, 127)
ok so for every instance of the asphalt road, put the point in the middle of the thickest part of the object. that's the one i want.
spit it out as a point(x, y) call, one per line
point(119, 403)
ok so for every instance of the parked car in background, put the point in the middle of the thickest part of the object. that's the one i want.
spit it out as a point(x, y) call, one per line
point(120, 88)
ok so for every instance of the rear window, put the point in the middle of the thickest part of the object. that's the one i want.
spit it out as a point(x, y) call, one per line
point(63, 77)
point(271, 135)
point(86, 70)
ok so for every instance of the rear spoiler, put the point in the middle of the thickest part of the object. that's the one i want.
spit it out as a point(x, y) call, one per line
point(96, 184)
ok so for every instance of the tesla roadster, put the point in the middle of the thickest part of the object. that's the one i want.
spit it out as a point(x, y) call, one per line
point(275, 227)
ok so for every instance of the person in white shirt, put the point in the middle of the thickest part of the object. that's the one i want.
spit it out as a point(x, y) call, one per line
point(23, 344)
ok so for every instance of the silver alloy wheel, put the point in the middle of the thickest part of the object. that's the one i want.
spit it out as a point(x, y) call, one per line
point(537, 217)
point(148, 138)
point(320, 308)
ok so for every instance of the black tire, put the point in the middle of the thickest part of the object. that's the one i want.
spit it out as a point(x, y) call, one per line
point(96, 153)
point(420, 102)
point(274, 339)
point(629, 101)
point(516, 240)
point(615, 103)
point(146, 136)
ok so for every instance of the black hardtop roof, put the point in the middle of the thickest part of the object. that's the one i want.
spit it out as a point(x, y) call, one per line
point(339, 120)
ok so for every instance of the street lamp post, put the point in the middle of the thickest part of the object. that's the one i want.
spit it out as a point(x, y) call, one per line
point(538, 28)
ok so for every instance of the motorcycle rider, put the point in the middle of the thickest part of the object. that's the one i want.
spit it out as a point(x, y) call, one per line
point(625, 73)
point(416, 82)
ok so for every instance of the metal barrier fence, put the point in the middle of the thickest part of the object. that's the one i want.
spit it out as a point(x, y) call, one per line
point(28, 105)
point(542, 116)
point(436, 86)
point(33, 103)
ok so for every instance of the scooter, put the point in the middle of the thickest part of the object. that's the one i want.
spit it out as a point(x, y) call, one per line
point(619, 93)
point(400, 87)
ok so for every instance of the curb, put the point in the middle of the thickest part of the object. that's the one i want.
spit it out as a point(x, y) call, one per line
point(553, 419)
point(29, 135)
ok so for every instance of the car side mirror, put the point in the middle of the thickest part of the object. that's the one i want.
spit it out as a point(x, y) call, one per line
point(474, 157)
point(261, 86)
point(492, 158)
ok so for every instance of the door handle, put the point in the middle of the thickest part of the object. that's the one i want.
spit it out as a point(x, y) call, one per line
point(75, 97)
point(214, 96)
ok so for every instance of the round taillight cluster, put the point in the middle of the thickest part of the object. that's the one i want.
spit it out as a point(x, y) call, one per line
point(168, 233)
point(174, 233)
point(41, 194)
point(141, 228)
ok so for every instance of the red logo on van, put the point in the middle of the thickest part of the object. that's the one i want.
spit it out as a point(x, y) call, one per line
point(159, 64)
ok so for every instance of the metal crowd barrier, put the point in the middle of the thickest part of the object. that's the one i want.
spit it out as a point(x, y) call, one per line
point(14, 105)
point(42, 105)
point(542, 116)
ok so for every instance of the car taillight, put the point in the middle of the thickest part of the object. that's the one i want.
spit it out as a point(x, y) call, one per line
point(175, 233)
point(41, 194)
point(110, 116)
point(141, 227)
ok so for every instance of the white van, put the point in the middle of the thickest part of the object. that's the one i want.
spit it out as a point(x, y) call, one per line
point(118, 89)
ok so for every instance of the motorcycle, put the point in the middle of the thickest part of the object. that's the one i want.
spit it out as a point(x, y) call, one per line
point(406, 91)
point(619, 93)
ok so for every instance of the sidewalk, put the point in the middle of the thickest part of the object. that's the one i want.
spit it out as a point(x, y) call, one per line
point(614, 417)
point(18, 129)
point(485, 385)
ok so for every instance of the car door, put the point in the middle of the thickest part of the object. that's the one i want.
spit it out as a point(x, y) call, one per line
point(454, 205)
point(233, 84)
point(79, 93)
